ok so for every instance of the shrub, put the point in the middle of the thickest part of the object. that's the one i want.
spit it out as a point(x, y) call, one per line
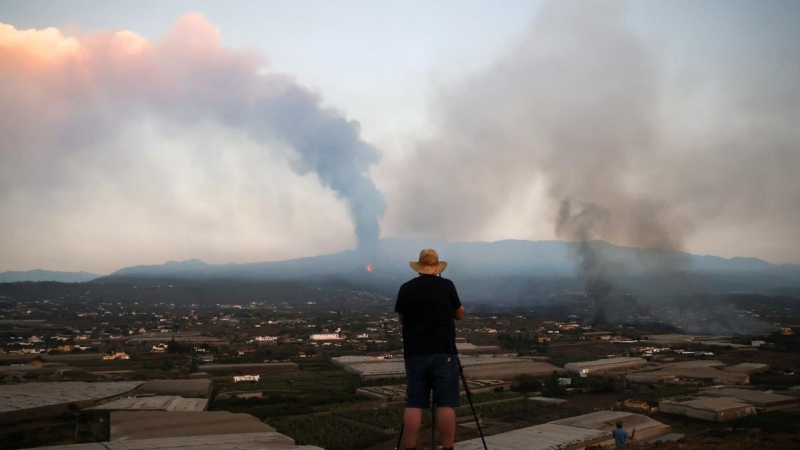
point(527, 383)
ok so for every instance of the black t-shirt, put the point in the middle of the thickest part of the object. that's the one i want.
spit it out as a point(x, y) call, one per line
point(427, 304)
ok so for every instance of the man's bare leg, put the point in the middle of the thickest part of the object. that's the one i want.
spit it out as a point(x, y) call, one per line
point(446, 421)
point(412, 421)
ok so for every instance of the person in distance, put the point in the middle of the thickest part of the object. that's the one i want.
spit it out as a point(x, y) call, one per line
point(621, 435)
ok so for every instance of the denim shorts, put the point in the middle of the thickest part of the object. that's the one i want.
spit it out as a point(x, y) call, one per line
point(439, 372)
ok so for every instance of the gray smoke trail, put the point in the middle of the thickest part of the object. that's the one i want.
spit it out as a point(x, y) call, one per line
point(609, 129)
point(662, 269)
point(593, 268)
point(328, 145)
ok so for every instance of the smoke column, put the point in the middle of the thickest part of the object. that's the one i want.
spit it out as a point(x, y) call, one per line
point(575, 111)
point(327, 145)
point(592, 266)
point(684, 139)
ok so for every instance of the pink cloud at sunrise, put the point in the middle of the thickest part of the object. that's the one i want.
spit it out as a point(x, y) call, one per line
point(110, 131)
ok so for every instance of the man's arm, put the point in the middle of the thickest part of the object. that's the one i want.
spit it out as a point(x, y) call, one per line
point(398, 306)
point(632, 433)
point(458, 308)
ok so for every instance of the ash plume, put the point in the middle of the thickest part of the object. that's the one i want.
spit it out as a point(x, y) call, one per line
point(593, 268)
point(327, 145)
point(208, 128)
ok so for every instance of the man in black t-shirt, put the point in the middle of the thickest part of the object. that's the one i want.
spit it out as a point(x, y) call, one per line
point(427, 306)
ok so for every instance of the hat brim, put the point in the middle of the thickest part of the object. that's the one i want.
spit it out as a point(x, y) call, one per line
point(428, 269)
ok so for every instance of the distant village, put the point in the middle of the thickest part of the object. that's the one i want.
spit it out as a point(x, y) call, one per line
point(70, 366)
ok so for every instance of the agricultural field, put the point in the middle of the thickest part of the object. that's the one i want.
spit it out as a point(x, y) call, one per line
point(521, 409)
point(390, 417)
point(326, 431)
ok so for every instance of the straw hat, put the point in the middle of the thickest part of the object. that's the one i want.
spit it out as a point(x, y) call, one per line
point(428, 263)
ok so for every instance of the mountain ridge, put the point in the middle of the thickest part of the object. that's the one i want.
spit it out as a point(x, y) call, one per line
point(499, 260)
point(509, 259)
point(36, 275)
point(739, 261)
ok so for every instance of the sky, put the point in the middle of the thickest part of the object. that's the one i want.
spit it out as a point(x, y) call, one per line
point(142, 132)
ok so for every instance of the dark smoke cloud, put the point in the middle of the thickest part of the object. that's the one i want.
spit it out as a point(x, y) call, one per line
point(593, 266)
point(329, 146)
point(695, 154)
point(572, 105)
point(623, 148)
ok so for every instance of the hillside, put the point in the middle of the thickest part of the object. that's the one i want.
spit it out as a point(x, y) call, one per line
point(510, 265)
point(46, 275)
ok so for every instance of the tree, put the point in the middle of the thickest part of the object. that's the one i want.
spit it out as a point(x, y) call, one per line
point(552, 388)
point(178, 347)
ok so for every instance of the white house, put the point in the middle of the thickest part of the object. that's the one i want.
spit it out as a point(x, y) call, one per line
point(326, 337)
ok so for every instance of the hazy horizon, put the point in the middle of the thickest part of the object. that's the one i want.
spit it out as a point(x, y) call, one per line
point(269, 131)
point(422, 243)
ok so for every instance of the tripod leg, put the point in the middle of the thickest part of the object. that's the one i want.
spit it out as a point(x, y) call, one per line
point(469, 398)
point(400, 438)
point(433, 425)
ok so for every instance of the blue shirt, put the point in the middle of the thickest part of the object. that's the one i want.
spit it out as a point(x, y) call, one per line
point(620, 436)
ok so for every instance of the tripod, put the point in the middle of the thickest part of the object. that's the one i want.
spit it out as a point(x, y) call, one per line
point(469, 398)
point(433, 413)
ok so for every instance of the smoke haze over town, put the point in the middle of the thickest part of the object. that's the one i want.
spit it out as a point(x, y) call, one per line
point(273, 131)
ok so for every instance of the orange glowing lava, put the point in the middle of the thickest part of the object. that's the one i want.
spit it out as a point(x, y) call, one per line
point(369, 267)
